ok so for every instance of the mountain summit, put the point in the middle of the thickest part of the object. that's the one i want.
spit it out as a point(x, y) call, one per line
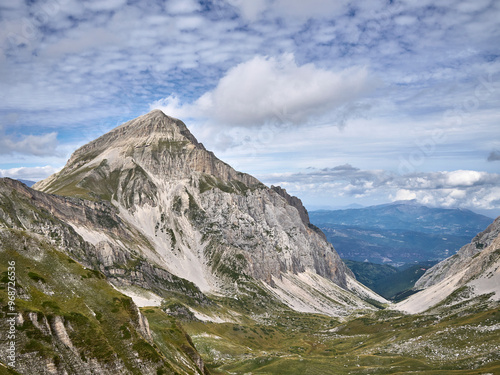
point(201, 220)
point(152, 146)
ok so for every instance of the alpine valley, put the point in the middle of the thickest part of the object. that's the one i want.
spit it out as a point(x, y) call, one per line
point(146, 254)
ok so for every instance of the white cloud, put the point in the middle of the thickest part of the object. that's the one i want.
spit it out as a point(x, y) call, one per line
point(267, 89)
point(464, 178)
point(190, 22)
point(172, 106)
point(182, 6)
point(405, 20)
point(308, 9)
point(105, 5)
point(405, 195)
point(38, 145)
point(483, 198)
point(473, 6)
point(83, 41)
point(452, 189)
point(250, 9)
point(29, 173)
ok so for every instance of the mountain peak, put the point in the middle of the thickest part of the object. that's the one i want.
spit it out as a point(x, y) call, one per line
point(144, 130)
point(202, 220)
point(158, 122)
point(153, 146)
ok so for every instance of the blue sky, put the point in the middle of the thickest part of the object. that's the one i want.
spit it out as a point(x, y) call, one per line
point(339, 102)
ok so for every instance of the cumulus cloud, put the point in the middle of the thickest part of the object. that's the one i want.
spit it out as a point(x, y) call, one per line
point(460, 188)
point(267, 89)
point(29, 173)
point(172, 106)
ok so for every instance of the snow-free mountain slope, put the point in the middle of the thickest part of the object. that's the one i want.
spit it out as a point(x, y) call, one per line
point(151, 147)
point(457, 262)
point(198, 218)
point(68, 319)
point(473, 272)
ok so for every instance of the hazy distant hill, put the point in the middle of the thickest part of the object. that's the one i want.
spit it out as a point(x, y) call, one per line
point(28, 183)
point(388, 281)
point(399, 232)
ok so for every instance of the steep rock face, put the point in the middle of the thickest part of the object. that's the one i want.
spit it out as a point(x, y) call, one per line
point(111, 245)
point(270, 234)
point(451, 266)
point(293, 201)
point(205, 221)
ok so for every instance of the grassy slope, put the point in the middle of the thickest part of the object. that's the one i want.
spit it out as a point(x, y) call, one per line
point(103, 321)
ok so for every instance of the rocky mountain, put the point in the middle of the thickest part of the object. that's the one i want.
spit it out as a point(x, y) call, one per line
point(146, 216)
point(148, 255)
point(399, 232)
point(66, 318)
point(197, 217)
point(472, 272)
point(451, 266)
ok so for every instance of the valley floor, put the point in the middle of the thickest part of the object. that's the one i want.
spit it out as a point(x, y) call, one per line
point(464, 339)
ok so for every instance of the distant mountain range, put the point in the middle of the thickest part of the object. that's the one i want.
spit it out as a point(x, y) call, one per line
point(398, 233)
point(28, 183)
point(472, 273)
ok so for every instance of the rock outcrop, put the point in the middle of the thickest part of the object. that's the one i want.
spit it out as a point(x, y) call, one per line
point(293, 201)
point(68, 319)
